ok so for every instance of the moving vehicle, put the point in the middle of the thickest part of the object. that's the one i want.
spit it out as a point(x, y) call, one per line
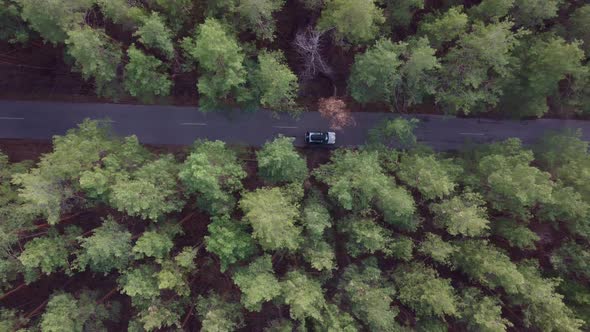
point(320, 137)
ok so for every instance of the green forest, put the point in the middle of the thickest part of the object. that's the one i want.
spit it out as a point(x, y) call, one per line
point(103, 233)
point(504, 58)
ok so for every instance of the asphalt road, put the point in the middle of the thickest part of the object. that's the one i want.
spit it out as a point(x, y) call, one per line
point(182, 125)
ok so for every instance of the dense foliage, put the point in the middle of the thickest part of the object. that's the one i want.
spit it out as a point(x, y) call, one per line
point(376, 239)
point(516, 58)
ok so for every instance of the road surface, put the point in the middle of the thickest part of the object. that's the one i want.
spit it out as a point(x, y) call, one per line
point(182, 125)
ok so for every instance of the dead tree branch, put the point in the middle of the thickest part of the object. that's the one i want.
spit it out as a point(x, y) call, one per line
point(308, 44)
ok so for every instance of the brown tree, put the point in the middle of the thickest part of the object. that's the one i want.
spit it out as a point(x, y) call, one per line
point(335, 109)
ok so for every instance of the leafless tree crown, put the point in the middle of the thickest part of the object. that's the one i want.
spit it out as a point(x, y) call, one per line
point(308, 44)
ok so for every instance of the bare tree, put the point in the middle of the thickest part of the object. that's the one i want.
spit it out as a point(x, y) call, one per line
point(308, 43)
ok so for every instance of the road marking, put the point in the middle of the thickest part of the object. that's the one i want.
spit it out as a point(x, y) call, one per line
point(473, 134)
point(9, 118)
point(284, 127)
point(193, 124)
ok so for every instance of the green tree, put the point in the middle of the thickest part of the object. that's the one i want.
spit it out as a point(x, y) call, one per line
point(445, 27)
point(155, 34)
point(486, 264)
point(257, 16)
point(52, 19)
point(278, 161)
point(229, 240)
point(577, 297)
point(319, 254)
point(127, 156)
point(334, 319)
point(108, 248)
point(315, 216)
point(530, 13)
point(573, 259)
point(369, 295)
point(402, 248)
point(64, 312)
point(50, 188)
point(396, 74)
point(398, 207)
point(272, 216)
point(434, 178)
point(316, 219)
point(150, 192)
point(276, 84)
point(420, 288)
point(145, 76)
point(156, 243)
point(303, 295)
point(47, 254)
point(375, 74)
point(465, 215)
point(258, 283)
point(121, 12)
point(578, 26)
point(177, 13)
point(567, 206)
point(556, 149)
point(482, 313)
point(11, 320)
point(517, 235)
point(579, 99)
point(174, 273)
point(219, 315)
point(12, 27)
point(539, 65)
point(96, 56)
point(473, 71)
point(354, 21)
point(419, 65)
point(220, 59)
point(185, 258)
point(491, 10)
point(436, 248)
point(365, 236)
point(542, 306)
point(399, 129)
point(140, 283)
point(400, 13)
point(575, 174)
point(213, 173)
point(160, 315)
point(356, 180)
point(509, 183)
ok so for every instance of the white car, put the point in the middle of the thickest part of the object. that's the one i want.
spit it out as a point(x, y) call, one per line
point(319, 137)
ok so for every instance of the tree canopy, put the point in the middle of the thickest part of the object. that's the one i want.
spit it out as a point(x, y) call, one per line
point(97, 56)
point(145, 76)
point(258, 283)
point(354, 21)
point(213, 173)
point(278, 161)
point(221, 58)
point(145, 240)
point(272, 216)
